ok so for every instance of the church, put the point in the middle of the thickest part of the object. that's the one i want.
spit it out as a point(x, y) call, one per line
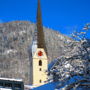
point(38, 54)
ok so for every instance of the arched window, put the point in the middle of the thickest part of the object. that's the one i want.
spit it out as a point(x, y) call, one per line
point(40, 63)
point(40, 81)
point(40, 69)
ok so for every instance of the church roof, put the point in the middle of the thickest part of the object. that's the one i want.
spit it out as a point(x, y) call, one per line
point(40, 32)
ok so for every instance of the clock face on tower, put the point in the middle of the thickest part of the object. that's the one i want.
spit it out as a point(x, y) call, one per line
point(40, 53)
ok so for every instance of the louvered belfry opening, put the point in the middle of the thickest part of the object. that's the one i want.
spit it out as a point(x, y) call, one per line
point(40, 33)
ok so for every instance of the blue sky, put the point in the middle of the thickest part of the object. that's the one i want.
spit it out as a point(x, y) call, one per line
point(61, 15)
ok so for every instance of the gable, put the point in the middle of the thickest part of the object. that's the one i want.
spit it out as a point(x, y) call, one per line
point(40, 54)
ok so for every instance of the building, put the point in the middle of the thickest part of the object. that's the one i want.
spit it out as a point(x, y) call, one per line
point(11, 84)
point(38, 56)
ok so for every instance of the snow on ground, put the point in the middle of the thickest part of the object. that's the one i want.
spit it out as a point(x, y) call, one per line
point(54, 85)
point(49, 86)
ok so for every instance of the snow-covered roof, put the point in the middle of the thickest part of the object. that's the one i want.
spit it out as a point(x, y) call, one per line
point(5, 89)
point(11, 79)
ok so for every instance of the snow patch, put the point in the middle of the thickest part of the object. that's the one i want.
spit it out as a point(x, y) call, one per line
point(10, 51)
point(22, 32)
point(68, 65)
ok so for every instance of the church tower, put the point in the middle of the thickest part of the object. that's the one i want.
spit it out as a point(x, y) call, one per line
point(38, 60)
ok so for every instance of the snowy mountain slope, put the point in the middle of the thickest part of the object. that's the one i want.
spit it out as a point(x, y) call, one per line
point(15, 38)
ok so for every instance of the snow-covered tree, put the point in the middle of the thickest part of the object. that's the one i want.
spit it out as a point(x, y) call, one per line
point(75, 63)
point(84, 51)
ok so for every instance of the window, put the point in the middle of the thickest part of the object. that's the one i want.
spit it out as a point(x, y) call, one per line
point(8, 84)
point(15, 85)
point(40, 81)
point(40, 63)
point(40, 69)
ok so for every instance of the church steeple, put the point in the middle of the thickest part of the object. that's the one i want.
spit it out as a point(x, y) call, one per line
point(40, 33)
point(39, 60)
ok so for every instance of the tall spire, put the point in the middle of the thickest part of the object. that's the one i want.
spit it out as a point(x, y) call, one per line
point(40, 33)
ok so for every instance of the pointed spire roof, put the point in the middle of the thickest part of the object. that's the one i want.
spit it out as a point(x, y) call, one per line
point(40, 33)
